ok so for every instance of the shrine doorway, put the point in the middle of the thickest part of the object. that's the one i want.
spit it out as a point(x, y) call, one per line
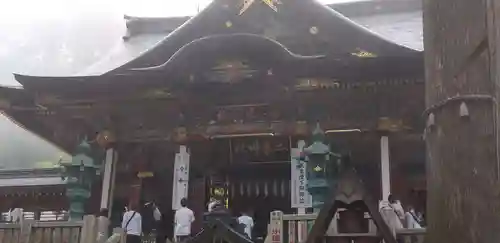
point(260, 189)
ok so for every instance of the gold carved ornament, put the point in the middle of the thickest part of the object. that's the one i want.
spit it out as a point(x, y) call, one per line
point(363, 54)
point(180, 135)
point(105, 139)
point(273, 4)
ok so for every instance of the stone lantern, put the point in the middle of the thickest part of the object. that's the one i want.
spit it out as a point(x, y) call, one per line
point(322, 168)
point(79, 175)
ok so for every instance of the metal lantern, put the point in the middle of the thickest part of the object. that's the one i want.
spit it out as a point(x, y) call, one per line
point(322, 167)
point(79, 174)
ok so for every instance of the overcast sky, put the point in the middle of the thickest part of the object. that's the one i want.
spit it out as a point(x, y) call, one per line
point(14, 9)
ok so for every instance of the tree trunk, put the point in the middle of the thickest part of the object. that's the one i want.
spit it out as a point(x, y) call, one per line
point(461, 133)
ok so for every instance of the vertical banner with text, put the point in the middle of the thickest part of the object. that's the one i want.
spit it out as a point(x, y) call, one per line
point(180, 177)
point(300, 196)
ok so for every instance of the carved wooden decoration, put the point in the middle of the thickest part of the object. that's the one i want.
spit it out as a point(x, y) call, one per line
point(349, 189)
point(180, 135)
point(273, 4)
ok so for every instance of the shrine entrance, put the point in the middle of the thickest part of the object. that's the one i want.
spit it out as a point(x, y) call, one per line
point(253, 174)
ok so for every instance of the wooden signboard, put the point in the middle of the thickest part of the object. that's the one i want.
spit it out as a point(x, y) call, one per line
point(260, 149)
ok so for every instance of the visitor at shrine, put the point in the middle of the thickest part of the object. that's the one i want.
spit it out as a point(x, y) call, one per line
point(132, 224)
point(16, 213)
point(211, 204)
point(247, 222)
point(184, 217)
point(391, 218)
point(398, 208)
point(412, 220)
point(151, 217)
point(160, 234)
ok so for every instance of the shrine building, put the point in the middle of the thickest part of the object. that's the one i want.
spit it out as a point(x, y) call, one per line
point(228, 93)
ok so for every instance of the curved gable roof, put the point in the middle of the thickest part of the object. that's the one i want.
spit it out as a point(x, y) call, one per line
point(333, 33)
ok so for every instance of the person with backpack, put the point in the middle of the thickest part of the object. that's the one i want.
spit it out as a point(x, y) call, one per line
point(132, 224)
point(247, 222)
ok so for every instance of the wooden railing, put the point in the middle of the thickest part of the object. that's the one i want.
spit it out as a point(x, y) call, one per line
point(29, 231)
point(294, 228)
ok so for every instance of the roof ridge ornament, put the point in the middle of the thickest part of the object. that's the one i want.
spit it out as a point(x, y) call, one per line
point(273, 4)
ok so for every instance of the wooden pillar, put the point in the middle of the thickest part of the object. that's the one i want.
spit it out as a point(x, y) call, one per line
point(385, 167)
point(461, 55)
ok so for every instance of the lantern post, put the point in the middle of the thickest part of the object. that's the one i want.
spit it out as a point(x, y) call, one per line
point(79, 174)
point(322, 168)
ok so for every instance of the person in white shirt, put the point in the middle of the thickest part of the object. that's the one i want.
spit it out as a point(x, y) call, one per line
point(184, 217)
point(246, 221)
point(211, 204)
point(398, 208)
point(132, 225)
point(412, 221)
point(16, 213)
point(390, 216)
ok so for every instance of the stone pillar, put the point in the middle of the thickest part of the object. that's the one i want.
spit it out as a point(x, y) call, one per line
point(462, 60)
point(385, 167)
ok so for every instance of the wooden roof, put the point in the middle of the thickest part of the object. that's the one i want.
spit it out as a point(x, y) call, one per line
point(320, 31)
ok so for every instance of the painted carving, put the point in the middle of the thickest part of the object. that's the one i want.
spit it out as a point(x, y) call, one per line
point(230, 72)
point(363, 54)
point(264, 149)
point(273, 4)
point(180, 135)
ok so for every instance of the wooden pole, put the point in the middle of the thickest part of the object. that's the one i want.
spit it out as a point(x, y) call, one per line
point(461, 120)
point(385, 167)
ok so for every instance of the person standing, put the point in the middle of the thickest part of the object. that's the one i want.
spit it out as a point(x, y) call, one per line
point(184, 217)
point(16, 213)
point(398, 208)
point(247, 222)
point(412, 220)
point(390, 216)
point(160, 234)
point(132, 225)
point(211, 204)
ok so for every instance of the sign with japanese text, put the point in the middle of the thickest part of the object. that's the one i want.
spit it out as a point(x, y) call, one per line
point(300, 196)
point(181, 177)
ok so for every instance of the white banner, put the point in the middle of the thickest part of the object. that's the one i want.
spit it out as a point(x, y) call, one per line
point(300, 196)
point(181, 177)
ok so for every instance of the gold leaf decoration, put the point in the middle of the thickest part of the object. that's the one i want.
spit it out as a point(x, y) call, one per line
point(273, 4)
point(363, 54)
point(315, 83)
